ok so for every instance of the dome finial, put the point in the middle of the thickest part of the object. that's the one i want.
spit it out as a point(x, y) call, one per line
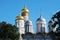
point(25, 4)
point(40, 13)
point(24, 11)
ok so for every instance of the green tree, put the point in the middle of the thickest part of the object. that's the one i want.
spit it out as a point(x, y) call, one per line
point(8, 31)
point(55, 23)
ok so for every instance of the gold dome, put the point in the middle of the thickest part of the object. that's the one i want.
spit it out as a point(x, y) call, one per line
point(19, 18)
point(25, 11)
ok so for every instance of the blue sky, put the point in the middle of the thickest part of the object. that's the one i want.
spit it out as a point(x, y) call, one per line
point(9, 9)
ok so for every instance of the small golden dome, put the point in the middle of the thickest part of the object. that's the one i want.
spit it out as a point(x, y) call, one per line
point(19, 18)
point(25, 10)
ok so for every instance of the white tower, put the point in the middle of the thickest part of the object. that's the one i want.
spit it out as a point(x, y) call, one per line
point(20, 24)
point(40, 24)
point(25, 14)
point(28, 24)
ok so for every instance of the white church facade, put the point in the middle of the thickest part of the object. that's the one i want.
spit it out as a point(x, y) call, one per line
point(25, 26)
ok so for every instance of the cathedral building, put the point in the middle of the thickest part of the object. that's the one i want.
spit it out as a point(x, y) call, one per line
point(40, 24)
point(26, 27)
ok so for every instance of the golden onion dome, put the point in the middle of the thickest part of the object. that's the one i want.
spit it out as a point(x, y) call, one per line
point(19, 18)
point(25, 10)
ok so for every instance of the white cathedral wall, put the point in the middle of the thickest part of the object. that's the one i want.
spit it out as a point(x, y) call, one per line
point(39, 25)
point(26, 17)
point(31, 28)
point(20, 25)
point(39, 28)
point(43, 27)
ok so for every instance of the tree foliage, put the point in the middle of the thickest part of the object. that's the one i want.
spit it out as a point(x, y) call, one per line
point(8, 31)
point(55, 23)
